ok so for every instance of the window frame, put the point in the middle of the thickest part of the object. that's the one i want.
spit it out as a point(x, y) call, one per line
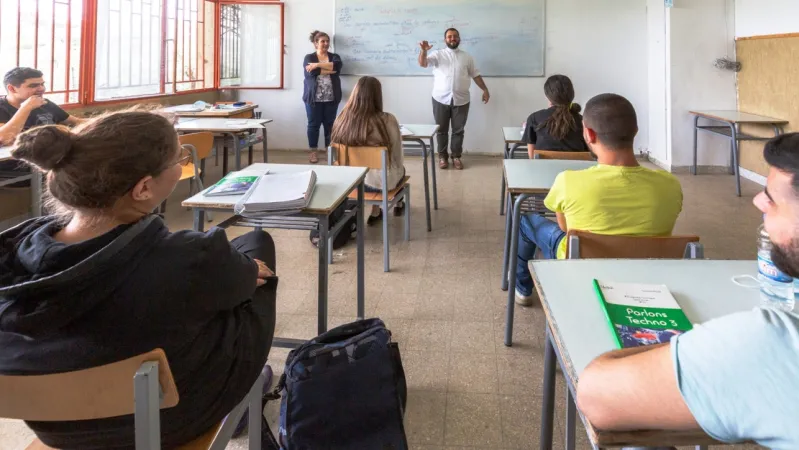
point(88, 57)
point(218, 37)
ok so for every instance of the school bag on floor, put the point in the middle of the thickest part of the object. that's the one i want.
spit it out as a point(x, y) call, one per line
point(344, 389)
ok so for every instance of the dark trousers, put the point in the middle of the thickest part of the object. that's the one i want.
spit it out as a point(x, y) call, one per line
point(320, 113)
point(259, 245)
point(444, 114)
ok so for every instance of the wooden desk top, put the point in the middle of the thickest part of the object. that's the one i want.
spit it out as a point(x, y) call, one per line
point(738, 117)
point(333, 185)
point(535, 176)
point(703, 288)
point(212, 112)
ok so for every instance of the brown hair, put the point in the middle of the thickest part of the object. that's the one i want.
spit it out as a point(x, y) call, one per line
point(560, 92)
point(362, 114)
point(316, 35)
point(95, 164)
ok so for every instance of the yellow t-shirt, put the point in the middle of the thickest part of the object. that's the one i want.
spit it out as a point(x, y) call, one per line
point(616, 200)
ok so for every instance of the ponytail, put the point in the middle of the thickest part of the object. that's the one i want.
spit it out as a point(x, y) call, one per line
point(562, 121)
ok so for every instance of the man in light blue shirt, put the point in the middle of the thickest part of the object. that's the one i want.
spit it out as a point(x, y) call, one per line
point(734, 377)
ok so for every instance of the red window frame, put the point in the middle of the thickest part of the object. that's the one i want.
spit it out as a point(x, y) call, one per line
point(51, 76)
point(88, 52)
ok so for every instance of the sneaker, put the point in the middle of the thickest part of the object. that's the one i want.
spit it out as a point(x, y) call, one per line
point(443, 164)
point(524, 300)
point(457, 163)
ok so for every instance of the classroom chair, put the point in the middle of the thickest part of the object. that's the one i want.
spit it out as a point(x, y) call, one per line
point(585, 245)
point(375, 158)
point(141, 385)
point(200, 146)
point(572, 156)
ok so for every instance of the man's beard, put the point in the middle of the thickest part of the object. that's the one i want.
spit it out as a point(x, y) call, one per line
point(453, 45)
point(787, 260)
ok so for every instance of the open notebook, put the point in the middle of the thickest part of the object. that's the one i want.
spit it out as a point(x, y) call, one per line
point(277, 193)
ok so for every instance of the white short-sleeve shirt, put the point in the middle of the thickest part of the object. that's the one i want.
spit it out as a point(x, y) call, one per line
point(453, 71)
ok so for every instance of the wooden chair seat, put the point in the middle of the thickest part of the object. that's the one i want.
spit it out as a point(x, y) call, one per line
point(573, 156)
point(201, 443)
point(187, 172)
point(378, 196)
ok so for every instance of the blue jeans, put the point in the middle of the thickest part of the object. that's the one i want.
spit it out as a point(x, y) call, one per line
point(535, 231)
point(320, 113)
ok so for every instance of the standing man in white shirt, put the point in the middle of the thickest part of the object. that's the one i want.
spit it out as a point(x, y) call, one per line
point(453, 71)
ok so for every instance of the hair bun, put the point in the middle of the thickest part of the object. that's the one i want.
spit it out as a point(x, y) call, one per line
point(313, 36)
point(45, 147)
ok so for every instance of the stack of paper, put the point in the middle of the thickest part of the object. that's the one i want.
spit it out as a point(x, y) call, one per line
point(278, 193)
point(405, 131)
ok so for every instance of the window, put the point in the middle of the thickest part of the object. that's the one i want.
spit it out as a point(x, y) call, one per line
point(52, 44)
point(152, 47)
point(250, 45)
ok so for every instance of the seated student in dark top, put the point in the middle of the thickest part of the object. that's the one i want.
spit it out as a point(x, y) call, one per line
point(559, 127)
point(25, 107)
point(105, 280)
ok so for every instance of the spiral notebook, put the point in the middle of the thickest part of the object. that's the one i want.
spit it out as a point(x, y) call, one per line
point(277, 193)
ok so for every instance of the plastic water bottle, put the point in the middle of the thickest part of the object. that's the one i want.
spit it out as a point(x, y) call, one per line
point(776, 288)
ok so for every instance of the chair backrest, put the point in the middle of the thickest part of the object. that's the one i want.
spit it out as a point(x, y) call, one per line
point(370, 157)
point(585, 245)
point(94, 393)
point(203, 143)
point(574, 156)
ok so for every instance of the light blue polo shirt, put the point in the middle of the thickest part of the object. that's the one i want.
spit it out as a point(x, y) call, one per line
point(739, 376)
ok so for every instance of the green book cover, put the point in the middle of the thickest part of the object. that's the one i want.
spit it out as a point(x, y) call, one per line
point(234, 183)
point(641, 314)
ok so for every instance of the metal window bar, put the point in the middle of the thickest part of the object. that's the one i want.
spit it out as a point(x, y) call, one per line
point(60, 15)
point(231, 40)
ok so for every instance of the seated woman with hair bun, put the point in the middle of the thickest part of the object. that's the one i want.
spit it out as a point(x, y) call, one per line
point(104, 280)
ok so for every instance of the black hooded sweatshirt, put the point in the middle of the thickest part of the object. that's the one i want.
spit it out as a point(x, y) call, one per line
point(129, 291)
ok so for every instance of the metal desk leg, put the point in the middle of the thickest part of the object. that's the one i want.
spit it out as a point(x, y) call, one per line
point(426, 185)
point(324, 228)
point(433, 166)
point(360, 252)
point(265, 145)
point(502, 192)
point(505, 261)
point(513, 250)
point(696, 142)
point(199, 219)
point(36, 193)
point(548, 400)
point(571, 417)
point(735, 167)
point(236, 149)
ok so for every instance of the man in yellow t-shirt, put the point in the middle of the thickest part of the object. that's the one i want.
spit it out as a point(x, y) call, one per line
point(617, 196)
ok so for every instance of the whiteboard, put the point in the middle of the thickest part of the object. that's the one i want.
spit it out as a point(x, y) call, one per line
point(381, 37)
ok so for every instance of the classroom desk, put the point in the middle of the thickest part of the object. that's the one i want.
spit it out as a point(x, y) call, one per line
point(218, 113)
point(228, 128)
point(730, 127)
point(8, 178)
point(513, 136)
point(420, 134)
point(579, 331)
point(526, 178)
point(333, 185)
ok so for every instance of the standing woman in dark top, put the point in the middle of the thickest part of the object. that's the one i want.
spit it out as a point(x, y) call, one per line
point(559, 127)
point(321, 91)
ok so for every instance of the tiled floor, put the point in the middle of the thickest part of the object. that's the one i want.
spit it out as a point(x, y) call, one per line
point(443, 304)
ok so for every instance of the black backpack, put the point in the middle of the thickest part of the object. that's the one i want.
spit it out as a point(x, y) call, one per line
point(347, 231)
point(344, 389)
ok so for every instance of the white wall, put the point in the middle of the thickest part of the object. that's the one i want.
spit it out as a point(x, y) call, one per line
point(763, 17)
point(659, 84)
point(700, 32)
point(601, 45)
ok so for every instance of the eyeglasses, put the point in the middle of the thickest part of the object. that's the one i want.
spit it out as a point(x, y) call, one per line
point(185, 156)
